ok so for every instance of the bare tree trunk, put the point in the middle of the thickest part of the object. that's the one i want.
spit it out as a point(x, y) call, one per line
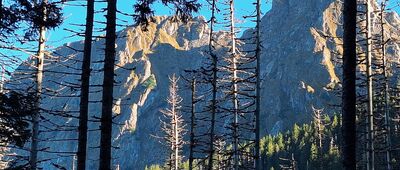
point(39, 80)
point(2, 79)
point(349, 84)
point(85, 83)
point(173, 125)
point(108, 85)
point(386, 91)
point(370, 126)
point(258, 87)
point(176, 144)
point(192, 123)
point(319, 124)
point(235, 99)
point(214, 87)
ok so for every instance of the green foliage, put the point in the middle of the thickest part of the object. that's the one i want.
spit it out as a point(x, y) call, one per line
point(302, 142)
point(15, 111)
point(151, 82)
point(314, 152)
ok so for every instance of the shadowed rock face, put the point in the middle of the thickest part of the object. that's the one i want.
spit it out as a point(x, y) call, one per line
point(300, 59)
point(294, 68)
point(297, 69)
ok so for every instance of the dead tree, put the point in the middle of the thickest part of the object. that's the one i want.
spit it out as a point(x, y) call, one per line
point(289, 164)
point(258, 87)
point(385, 67)
point(349, 84)
point(370, 126)
point(319, 124)
point(233, 61)
point(108, 85)
point(192, 122)
point(85, 84)
point(173, 125)
point(214, 84)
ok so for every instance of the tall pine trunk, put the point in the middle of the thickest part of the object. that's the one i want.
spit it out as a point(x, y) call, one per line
point(235, 100)
point(108, 84)
point(386, 86)
point(2, 79)
point(370, 126)
point(39, 80)
point(258, 87)
point(192, 123)
point(349, 84)
point(214, 87)
point(85, 83)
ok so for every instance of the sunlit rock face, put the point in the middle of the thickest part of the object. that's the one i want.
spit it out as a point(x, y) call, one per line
point(298, 70)
point(301, 66)
point(145, 59)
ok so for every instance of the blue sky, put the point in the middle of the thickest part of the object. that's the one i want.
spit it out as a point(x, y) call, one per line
point(75, 14)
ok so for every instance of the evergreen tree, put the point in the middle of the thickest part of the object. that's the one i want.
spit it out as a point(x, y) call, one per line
point(41, 16)
point(15, 112)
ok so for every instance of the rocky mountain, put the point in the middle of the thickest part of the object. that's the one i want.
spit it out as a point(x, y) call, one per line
point(297, 66)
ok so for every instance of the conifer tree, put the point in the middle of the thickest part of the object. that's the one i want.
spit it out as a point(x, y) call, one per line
point(41, 15)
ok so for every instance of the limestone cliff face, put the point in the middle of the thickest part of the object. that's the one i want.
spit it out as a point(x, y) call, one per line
point(298, 68)
point(144, 62)
point(302, 40)
point(297, 61)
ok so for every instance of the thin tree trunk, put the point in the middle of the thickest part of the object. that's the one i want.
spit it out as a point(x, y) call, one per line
point(235, 100)
point(386, 95)
point(349, 84)
point(85, 83)
point(258, 87)
point(370, 140)
point(39, 80)
point(176, 145)
point(192, 123)
point(108, 85)
point(214, 87)
point(2, 79)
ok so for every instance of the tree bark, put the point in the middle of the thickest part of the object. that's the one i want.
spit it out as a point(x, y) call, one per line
point(386, 93)
point(235, 100)
point(258, 87)
point(370, 126)
point(192, 123)
point(214, 87)
point(85, 83)
point(108, 85)
point(39, 80)
point(349, 84)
